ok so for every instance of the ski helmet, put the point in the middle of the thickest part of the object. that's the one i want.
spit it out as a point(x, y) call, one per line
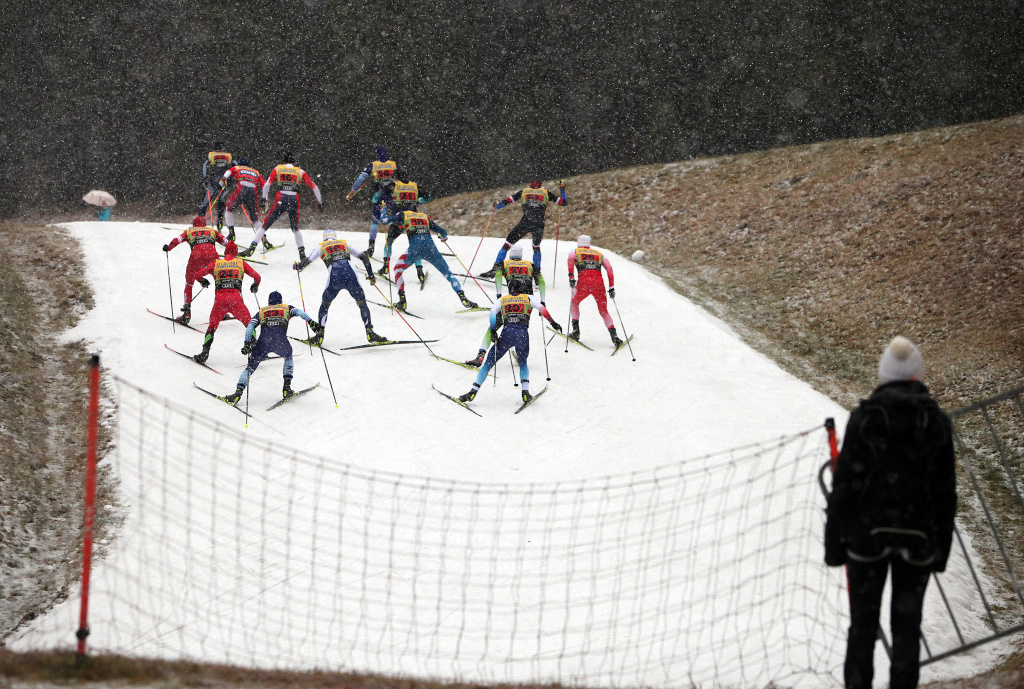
point(535, 184)
point(230, 250)
point(518, 287)
point(288, 158)
point(199, 221)
point(243, 161)
point(382, 153)
point(515, 252)
point(274, 298)
point(330, 234)
point(387, 186)
point(218, 145)
point(583, 241)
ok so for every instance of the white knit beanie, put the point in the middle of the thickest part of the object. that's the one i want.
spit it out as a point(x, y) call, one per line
point(901, 360)
point(583, 241)
point(516, 252)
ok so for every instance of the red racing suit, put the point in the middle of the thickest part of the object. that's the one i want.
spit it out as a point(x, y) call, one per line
point(203, 241)
point(289, 179)
point(227, 277)
point(589, 262)
point(248, 181)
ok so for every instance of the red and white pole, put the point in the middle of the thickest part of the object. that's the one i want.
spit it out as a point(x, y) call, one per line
point(90, 498)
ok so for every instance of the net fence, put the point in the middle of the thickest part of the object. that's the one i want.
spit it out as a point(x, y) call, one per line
point(707, 571)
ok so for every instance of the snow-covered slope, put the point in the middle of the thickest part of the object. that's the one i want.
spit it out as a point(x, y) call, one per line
point(693, 389)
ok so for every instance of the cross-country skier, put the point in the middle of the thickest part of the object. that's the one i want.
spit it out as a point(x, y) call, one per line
point(513, 269)
point(589, 262)
point(380, 170)
point(217, 162)
point(202, 239)
point(534, 200)
point(421, 246)
point(400, 194)
point(227, 278)
point(336, 254)
point(247, 180)
point(288, 178)
point(273, 339)
point(513, 312)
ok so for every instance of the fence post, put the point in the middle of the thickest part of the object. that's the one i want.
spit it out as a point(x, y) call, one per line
point(90, 499)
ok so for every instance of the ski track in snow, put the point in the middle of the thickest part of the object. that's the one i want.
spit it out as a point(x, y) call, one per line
point(694, 388)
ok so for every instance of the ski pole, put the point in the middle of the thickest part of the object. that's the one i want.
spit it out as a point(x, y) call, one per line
point(303, 298)
point(547, 369)
point(558, 228)
point(406, 322)
point(170, 292)
point(482, 235)
point(568, 323)
point(624, 334)
point(469, 273)
point(515, 381)
point(329, 382)
point(247, 397)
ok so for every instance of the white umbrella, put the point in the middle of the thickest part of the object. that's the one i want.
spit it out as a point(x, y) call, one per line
point(100, 198)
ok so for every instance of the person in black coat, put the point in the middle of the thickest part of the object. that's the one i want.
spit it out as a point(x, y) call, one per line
point(892, 506)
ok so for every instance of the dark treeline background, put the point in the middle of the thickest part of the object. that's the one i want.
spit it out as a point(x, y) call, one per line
point(128, 97)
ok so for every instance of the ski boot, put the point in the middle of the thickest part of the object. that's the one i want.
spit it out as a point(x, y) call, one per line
point(489, 274)
point(317, 337)
point(400, 304)
point(202, 356)
point(615, 338)
point(287, 391)
point(302, 254)
point(372, 336)
point(466, 302)
point(186, 314)
point(267, 246)
point(526, 397)
point(575, 333)
point(479, 360)
point(247, 251)
point(383, 272)
point(420, 274)
point(231, 233)
point(369, 249)
point(468, 397)
point(236, 395)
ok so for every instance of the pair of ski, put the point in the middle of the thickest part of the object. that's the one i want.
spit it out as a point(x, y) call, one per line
point(587, 347)
point(466, 406)
point(362, 346)
point(370, 301)
point(225, 400)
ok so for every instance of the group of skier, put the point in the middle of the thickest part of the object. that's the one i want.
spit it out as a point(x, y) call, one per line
point(230, 184)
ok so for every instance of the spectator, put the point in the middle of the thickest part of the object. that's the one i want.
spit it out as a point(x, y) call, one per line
point(892, 506)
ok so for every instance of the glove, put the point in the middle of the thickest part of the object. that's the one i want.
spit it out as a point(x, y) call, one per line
point(499, 205)
point(299, 265)
point(320, 205)
point(263, 207)
point(247, 347)
point(444, 237)
point(349, 196)
point(611, 292)
point(167, 247)
point(255, 287)
point(316, 327)
point(572, 281)
point(543, 304)
point(556, 326)
point(561, 184)
point(204, 282)
point(494, 335)
point(372, 278)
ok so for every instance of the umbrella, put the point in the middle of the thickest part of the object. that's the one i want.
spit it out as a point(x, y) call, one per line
point(100, 198)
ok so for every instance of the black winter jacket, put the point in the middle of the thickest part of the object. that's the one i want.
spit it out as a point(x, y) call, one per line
point(895, 481)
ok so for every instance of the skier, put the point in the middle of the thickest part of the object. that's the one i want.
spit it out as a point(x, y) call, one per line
point(534, 200)
point(400, 194)
point(247, 181)
point(379, 170)
point(202, 239)
point(418, 227)
point(336, 254)
point(589, 261)
point(227, 278)
point(513, 312)
point(289, 178)
point(273, 321)
point(217, 162)
point(513, 269)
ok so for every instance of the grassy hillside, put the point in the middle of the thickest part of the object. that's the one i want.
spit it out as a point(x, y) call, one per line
point(820, 254)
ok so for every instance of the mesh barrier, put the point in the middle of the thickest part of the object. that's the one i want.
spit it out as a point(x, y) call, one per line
point(232, 550)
